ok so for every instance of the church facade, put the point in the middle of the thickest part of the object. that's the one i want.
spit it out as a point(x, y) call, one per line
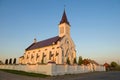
point(56, 49)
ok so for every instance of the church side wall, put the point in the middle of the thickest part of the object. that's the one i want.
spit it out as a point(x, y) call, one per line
point(35, 56)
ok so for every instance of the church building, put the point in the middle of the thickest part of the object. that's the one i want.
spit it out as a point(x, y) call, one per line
point(57, 49)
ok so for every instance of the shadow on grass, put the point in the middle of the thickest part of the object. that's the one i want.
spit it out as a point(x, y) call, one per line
point(25, 73)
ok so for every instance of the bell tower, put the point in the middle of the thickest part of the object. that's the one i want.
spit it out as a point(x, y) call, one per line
point(64, 26)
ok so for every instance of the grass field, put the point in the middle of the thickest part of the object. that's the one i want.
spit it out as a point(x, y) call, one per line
point(25, 73)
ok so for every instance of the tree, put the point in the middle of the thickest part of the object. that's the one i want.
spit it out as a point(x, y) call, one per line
point(1, 62)
point(74, 61)
point(114, 64)
point(68, 61)
point(6, 61)
point(14, 62)
point(10, 61)
point(80, 61)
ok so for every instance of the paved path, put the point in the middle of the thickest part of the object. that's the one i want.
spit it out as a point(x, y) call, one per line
point(85, 76)
point(91, 76)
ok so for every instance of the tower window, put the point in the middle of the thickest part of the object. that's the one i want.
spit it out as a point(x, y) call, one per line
point(61, 30)
point(67, 42)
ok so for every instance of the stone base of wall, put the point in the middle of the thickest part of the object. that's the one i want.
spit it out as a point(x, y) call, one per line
point(53, 69)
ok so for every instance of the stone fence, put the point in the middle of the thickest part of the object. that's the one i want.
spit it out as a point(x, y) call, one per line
point(54, 69)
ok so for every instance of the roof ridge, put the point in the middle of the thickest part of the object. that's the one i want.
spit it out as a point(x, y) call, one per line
point(43, 43)
point(48, 38)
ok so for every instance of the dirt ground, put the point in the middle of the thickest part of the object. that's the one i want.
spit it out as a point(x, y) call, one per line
point(114, 75)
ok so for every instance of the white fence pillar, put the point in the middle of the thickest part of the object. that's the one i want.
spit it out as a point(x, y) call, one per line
point(51, 69)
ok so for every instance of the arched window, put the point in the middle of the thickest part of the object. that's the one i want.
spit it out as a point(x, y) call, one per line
point(42, 60)
point(57, 53)
point(38, 50)
point(67, 42)
point(43, 55)
point(32, 56)
point(66, 53)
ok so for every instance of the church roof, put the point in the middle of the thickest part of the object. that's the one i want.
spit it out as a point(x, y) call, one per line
point(44, 43)
point(64, 19)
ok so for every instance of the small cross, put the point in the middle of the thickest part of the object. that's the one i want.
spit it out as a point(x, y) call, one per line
point(64, 6)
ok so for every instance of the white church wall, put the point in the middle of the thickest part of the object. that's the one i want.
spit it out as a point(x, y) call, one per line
point(40, 51)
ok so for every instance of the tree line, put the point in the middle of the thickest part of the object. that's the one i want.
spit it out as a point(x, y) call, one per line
point(79, 62)
point(113, 66)
point(10, 61)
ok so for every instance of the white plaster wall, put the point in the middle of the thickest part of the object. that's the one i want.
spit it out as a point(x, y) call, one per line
point(60, 69)
point(53, 69)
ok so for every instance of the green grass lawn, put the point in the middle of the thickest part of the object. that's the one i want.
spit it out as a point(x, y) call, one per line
point(25, 73)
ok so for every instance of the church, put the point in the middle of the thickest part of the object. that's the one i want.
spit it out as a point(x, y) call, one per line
point(57, 49)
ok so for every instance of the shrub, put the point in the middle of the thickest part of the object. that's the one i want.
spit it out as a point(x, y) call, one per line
point(14, 62)
point(74, 61)
point(114, 64)
point(10, 61)
point(68, 61)
point(6, 61)
point(80, 61)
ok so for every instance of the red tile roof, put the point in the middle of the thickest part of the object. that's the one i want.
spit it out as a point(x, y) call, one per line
point(88, 61)
point(44, 43)
point(106, 65)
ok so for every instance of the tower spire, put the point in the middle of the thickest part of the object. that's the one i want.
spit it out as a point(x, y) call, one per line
point(64, 18)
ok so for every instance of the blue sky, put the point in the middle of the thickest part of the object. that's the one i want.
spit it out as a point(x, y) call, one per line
point(95, 26)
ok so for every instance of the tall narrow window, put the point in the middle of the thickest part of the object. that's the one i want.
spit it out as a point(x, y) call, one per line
point(32, 56)
point(43, 55)
point(37, 56)
point(50, 55)
point(62, 52)
point(57, 54)
point(42, 60)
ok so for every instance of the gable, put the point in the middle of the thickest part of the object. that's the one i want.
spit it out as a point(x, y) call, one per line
point(68, 39)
